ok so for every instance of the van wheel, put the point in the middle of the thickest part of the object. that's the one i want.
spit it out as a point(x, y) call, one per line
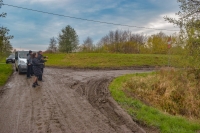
point(19, 71)
point(16, 68)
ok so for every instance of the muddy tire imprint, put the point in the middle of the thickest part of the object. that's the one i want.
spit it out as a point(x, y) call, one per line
point(69, 101)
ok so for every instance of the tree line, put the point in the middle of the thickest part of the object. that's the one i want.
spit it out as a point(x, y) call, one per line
point(118, 41)
point(5, 45)
point(187, 41)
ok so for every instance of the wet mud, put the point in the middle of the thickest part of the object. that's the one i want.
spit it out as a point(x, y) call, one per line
point(69, 101)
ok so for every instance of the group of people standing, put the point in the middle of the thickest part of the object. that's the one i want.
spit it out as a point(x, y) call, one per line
point(35, 66)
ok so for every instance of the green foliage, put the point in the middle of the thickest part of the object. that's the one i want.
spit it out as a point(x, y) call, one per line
point(5, 45)
point(5, 71)
point(157, 43)
point(68, 40)
point(147, 115)
point(121, 42)
point(126, 42)
point(189, 23)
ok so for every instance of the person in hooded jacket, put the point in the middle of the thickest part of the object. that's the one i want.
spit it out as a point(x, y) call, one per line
point(36, 68)
point(29, 65)
point(42, 59)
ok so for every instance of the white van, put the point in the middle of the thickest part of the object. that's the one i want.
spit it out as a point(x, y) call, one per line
point(21, 61)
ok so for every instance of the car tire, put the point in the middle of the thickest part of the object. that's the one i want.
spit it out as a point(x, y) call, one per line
point(19, 71)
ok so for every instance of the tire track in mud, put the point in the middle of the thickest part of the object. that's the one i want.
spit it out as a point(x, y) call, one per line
point(74, 110)
point(69, 101)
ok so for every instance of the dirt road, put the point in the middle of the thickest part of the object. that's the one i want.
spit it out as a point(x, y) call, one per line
point(69, 101)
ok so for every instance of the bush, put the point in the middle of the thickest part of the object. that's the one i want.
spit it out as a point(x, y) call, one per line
point(174, 91)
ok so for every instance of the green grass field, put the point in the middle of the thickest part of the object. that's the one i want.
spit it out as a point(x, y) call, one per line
point(148, 115)
point(5, 71)
point(106, 60)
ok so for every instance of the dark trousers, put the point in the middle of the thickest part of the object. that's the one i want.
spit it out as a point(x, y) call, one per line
point(29, 70)
point(32, 73)
point(40, 76)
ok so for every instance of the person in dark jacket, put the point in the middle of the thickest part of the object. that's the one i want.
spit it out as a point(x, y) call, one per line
point(42, 60)
point(29, 65)
point(36, 68)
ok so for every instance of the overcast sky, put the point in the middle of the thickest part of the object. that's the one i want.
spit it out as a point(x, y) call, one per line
point(33, 30)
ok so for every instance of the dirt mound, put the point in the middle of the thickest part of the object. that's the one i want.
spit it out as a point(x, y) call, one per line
point(98, 95)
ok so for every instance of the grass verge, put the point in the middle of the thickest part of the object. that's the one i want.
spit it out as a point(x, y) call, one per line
point(148, 115)
point(5, 71)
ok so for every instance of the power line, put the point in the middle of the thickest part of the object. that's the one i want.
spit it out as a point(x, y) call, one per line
point(96, 21)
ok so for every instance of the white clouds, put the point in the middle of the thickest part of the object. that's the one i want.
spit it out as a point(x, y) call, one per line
point(41, 1)
point(33, 47)
point(159, 23)
point(33, 30)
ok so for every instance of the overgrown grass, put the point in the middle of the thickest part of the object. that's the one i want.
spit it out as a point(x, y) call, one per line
point(145, 114)
point(106, 60)
point(5, 71)
point(174, 91)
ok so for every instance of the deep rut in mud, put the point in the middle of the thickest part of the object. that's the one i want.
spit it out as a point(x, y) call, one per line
point(69, 101)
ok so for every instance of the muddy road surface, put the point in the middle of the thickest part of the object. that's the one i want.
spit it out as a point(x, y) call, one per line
point(69, 101)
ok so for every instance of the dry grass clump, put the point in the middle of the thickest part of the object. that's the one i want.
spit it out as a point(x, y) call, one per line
point(174, 91)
